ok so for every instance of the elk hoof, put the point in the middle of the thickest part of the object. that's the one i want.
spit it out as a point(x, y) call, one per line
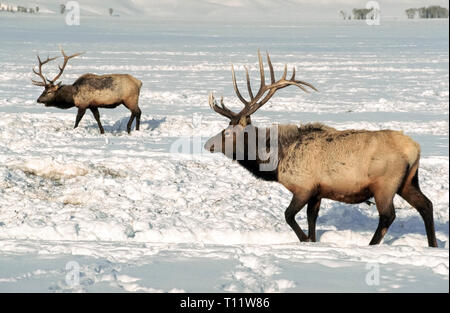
point(305, 239)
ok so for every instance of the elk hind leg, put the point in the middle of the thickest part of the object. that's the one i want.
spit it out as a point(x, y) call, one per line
point(135, 112)
point(413, 195)
point(130, 122)
point(138, 118)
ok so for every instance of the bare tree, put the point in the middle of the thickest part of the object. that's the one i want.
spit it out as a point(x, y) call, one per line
point(411, 13)
point(343, 14)
point(360, 14)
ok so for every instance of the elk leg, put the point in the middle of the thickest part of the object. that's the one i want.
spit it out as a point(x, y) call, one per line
point(386, 210)
point(80, 115)
point(130, 122)
point(294, 207)
point(312, 212)
point(414, 196)
point(131, 105)
point(96, 114)
point(138, 118)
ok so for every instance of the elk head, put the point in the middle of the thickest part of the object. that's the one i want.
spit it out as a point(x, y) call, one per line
point(236, 136)
point(50, 88)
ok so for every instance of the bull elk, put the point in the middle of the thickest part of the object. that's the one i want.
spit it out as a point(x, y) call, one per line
point(91, 92)
point(317, 162)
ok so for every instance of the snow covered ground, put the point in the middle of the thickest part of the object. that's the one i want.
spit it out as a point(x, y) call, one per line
point(129, 213)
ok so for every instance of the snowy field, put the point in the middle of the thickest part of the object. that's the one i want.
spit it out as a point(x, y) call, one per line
point(129, 213)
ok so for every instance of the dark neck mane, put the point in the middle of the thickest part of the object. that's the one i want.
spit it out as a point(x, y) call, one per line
point(256, 167)
point(64, 97)
point(253, 166)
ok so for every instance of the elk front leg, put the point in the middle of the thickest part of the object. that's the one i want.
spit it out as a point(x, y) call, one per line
point(294, 207)
point(80, 115)
point(96, 114)
point(414, 196)
point(312, 212)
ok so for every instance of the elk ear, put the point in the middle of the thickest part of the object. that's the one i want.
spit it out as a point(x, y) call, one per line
point(59, 85)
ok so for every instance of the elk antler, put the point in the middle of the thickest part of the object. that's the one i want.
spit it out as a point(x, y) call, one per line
point(61, 68)
point(257, 101)
point(44, 82)
point(222, 109)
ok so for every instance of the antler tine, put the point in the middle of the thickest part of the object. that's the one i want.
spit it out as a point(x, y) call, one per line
point(299, 83)
point(44, 81)
point(223, 110)
point(249, 86)
point(261, 71)
point(285, 72)
point(236, 89)
point(222, 104)
point(61, 68)
point(307, 84)
point(36, 83)
point(47, 60)
point(70, 56)
point(259, 100)
point(272, 74)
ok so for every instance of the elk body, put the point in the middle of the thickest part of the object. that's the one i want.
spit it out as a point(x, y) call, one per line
point(316, 162)
point(91, 92)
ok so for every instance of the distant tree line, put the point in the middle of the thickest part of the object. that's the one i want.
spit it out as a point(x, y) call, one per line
point(434, 11)
point(62, 9)
point(358, 14)
point(20, 9)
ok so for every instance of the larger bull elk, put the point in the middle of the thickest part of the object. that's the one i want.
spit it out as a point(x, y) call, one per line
point(91, 92)
point(316, 162)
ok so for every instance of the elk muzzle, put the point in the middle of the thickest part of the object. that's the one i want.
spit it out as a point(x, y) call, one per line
point(209, 145)
point(216, 143)
point(41, 99)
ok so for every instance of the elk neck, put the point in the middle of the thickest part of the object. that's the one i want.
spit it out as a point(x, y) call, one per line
point(286, 135)
point(255, 161)
point(64, 97)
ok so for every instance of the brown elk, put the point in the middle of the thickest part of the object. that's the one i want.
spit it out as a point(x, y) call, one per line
point(91, 92)
point(316, 162)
